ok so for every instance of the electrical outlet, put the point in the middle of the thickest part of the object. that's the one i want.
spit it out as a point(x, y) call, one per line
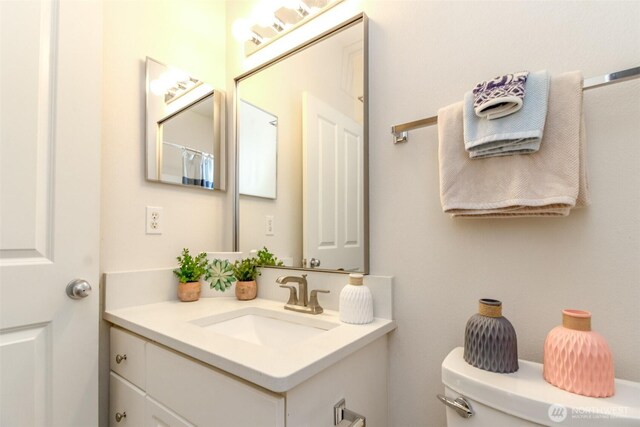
point(268, 223)
point(154, 220)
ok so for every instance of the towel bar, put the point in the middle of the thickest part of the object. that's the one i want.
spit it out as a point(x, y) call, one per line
point(401, 132)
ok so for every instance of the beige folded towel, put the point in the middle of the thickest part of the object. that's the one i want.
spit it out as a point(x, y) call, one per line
point(547, 183)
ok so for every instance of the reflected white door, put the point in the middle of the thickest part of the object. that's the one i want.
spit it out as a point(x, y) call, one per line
point(333, 185)
point(50, 107)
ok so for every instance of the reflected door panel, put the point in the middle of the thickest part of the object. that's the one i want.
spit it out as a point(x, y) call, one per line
point(333, 189)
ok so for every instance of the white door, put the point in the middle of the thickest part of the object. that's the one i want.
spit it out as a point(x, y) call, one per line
point(333, 188)
point(50, 106)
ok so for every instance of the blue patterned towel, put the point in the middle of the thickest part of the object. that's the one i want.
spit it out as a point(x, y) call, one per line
point(500, 96)
point(518, 133)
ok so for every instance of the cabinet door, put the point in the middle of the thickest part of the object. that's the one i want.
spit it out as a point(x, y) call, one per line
point(160, 416)
point(126, 403)
point(208, 397)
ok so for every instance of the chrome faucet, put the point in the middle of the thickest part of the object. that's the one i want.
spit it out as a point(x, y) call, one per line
point(300, 301)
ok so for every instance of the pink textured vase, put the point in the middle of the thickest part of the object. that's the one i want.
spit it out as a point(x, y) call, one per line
point(577, 359)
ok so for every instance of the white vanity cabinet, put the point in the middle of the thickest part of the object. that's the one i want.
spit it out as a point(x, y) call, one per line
point(126, 401)
point(159, 416)
point(157, 386)
point(154, 386)
point(129, 403)
point(206, 396)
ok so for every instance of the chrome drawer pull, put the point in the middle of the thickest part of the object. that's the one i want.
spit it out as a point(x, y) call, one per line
point(120, 358)
point(460, 405)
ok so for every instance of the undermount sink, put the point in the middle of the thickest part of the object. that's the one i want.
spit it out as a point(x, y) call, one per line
point(268, 328)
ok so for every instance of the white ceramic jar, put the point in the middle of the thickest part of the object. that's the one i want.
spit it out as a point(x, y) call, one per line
point(356, 302)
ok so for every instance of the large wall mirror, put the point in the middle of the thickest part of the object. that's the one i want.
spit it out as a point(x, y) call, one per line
point(301, 138)
point(184, 130)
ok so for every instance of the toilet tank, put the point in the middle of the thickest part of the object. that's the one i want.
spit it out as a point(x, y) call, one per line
point(524, 398)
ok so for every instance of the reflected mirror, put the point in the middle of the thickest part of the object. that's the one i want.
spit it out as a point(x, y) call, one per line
point(184, 128)
point(316, 214)
point(258, 136)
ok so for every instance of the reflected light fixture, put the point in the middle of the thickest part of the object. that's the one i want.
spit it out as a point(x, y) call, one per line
point(271, 19)
point(173, 84)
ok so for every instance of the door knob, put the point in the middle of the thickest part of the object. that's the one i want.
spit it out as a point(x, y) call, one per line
point(78, 288)
point(314, 262)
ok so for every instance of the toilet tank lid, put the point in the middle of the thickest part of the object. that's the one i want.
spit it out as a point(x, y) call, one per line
point(527, 395)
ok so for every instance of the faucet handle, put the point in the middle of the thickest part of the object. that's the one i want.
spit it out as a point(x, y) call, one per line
point(293, 294)
point(313, 301)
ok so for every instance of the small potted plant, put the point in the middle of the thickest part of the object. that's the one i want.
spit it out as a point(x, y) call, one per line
point(267, 258)
point(220, 275)
point(188, 273)
point(246, 271)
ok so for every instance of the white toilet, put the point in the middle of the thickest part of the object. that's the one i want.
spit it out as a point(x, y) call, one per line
point(524, 398)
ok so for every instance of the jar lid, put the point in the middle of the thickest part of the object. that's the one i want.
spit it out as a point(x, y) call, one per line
point(356, 279)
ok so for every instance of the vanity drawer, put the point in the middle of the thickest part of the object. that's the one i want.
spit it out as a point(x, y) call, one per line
point(126, 403)
point(207, 397)
point(127, 356)
point(160, 416)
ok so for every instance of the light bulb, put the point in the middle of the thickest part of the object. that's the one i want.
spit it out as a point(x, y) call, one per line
point(174, 75)
point(241, 30)
point(263, 12)
point(291, 4)
point(158, 87)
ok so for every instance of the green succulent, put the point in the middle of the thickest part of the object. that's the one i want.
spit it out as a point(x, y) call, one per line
point(190, 269)
point(221, 274)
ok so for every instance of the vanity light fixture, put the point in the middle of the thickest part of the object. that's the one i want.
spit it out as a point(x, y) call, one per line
point(173, 84)
point(180, 88)
point(271, 19)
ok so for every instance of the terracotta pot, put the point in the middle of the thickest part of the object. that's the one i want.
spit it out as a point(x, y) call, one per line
point(189, 291)
point(246, 290)
point(576, 359)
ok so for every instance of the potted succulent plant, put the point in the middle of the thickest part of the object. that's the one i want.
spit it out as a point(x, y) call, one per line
point(246, 272)
point(189, 271)
point(220, 275)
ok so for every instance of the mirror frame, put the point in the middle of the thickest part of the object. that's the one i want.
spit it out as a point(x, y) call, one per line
point(153, 134)
point(359, 18)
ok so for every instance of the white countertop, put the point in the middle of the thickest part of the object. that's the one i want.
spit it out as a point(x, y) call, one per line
point(170, 323)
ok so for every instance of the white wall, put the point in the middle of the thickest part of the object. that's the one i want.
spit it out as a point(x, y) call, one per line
point(190, 35)
point(426, 54)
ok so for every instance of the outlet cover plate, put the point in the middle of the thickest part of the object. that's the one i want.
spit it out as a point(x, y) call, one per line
point(154, 220)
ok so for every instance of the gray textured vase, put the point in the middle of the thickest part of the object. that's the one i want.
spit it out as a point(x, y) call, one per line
point(490, 342)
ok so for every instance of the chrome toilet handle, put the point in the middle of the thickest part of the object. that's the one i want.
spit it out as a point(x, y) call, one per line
point(460, 405)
